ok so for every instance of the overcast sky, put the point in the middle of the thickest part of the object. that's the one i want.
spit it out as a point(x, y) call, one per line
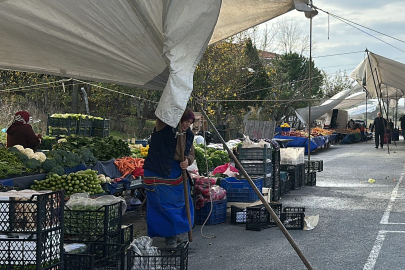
point(387, 17)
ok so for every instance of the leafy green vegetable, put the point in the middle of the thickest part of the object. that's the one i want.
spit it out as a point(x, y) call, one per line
point(57, 170)
point(101, 148)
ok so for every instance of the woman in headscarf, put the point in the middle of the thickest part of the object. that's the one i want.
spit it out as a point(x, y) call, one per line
point(21, 133)
point(166, 214)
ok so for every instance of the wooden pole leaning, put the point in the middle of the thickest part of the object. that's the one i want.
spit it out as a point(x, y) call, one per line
point(185, 187)
point(259, 194)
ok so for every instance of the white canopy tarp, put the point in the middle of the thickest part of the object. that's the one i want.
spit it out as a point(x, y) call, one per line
point(341, 100)
point(383, 77)
point(154, 44)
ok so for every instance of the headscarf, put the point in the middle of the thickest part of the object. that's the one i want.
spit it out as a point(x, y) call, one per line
point(21, 117)
point(188, 114)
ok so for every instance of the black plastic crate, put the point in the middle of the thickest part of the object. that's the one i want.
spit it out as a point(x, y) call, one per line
point(61, 126)
point(99, 256)
point(216, 216)
point(61, 122)
point(276, 185)
point(301, 180)
point(294, 209)
point(310, 179)
point(84, 127)
point(101, 123)
point(296, 174)
point(238, 215)
point(167, 258)
point(314, 165)
point(277, 208)
point(34, 215)
point(44, 251)
point(78, 261)
point(285, 183)
point(258, 167)
point(257, 153)
point(285, 187)
point(257, 218)
point(99, 132)
point(85, 225)
point(293, 220)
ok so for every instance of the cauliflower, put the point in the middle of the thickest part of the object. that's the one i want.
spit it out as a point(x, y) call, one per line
point(29, 152)
point(41, 157)
point(19, 147)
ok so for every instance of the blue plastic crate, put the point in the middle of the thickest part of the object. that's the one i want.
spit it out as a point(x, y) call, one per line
point(218, 214)
point(240, 190)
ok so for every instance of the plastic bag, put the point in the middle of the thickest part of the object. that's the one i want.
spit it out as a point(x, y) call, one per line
point(142, 246)
point(226, 169)
point(82, 201)
point(193, 169)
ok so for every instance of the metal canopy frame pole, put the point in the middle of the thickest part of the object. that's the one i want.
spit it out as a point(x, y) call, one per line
point(259, 194)
point(366, 127)
point(310, 91)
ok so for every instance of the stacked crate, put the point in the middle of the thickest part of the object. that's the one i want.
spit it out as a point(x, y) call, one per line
point(87, 126)
point(239, 190)
point(35, 221)
point(216, 213)
point(292, 162)
point(101, 225)
point(84, 127)
point(61, 126)
point(257, 163)
point(98, 256)
point(285, 183)
point(100, 128)
point(311, 168)
point(276, 191)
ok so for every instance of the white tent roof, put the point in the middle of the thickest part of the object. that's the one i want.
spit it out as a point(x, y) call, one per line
point(153, 44)
point(341, 100)
point(387, 74)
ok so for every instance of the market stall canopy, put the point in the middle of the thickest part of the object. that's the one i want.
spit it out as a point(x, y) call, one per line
point(152, 44)
point(343, 99)
point(388, 75)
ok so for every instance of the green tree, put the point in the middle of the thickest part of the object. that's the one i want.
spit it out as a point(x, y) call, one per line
point(290, 75)
point(336, 83)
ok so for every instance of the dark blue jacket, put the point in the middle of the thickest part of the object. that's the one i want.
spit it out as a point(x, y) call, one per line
point(162, 149)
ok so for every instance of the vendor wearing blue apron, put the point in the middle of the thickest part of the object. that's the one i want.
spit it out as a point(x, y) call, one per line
point(166, 214)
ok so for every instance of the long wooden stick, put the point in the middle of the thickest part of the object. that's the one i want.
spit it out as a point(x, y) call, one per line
point(185, 187)
point(259, 194)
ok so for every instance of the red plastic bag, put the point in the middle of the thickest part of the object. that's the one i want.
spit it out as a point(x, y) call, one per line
point(227, 169)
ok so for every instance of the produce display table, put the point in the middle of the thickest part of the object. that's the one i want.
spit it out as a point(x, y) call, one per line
point(315, 143)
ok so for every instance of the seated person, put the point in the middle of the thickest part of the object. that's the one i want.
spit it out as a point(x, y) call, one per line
point(21, 133)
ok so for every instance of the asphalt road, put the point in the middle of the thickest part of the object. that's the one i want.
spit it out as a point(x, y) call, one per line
point(361, 225)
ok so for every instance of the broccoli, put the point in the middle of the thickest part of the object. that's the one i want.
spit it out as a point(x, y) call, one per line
point(85, 154)
point(32, 164)
point(48, 164)
point(58, 170)
point(54, 155)
point(21, 156)
point(71, 160)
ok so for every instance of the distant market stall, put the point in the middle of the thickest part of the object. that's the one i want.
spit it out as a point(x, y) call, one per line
point(320, 138)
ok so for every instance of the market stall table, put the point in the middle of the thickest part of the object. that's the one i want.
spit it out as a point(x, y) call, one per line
point(282, 142)
point(315, 143)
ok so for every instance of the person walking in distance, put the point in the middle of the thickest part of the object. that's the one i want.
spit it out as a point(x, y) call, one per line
point(379, 126)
